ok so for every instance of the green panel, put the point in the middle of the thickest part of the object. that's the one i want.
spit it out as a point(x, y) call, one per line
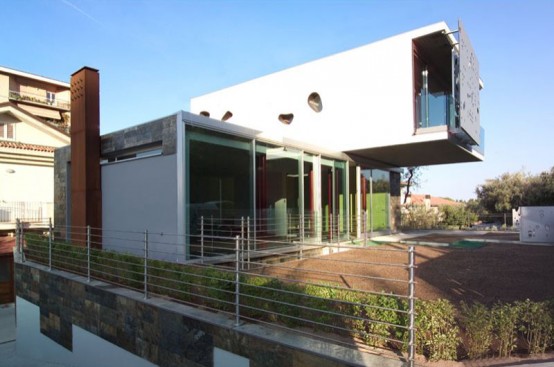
point(380, 211)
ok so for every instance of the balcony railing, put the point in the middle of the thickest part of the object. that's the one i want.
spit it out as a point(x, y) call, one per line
point(436, 109)
point(25, 210)
point(51, 100)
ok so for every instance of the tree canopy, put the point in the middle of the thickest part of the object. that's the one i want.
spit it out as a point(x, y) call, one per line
point(512, 190)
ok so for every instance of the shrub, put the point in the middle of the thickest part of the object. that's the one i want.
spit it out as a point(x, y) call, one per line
point(535, 324)
point(418, 217)
point(478, 324)
point(505, 318)
point(380, 319)
point(437, 333)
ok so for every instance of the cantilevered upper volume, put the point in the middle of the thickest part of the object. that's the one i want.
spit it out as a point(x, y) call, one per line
point(412, 99)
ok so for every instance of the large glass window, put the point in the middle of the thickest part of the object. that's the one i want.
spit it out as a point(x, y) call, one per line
point(219, 181)
point(278, 190)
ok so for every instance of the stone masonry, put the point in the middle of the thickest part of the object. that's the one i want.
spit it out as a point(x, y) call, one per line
point(168, 333)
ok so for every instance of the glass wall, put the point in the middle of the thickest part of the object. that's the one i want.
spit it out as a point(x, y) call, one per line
point(333, 199)
point(288, 194)
point(219, 173)
point(278, 190)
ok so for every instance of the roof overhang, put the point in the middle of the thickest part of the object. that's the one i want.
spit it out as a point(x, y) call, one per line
point(427, 153)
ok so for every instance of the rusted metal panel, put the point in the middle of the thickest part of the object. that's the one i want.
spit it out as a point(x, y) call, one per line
point(86, 193)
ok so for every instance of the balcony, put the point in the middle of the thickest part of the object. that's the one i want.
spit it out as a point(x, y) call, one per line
point(435, 109)
point(50, 99)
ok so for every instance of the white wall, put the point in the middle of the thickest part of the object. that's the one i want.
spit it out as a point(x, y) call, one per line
point(26, 183)
point(367, 96)
point(537, 224)
point(139, 195)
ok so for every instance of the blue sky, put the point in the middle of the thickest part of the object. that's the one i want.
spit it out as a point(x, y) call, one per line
point(153, 56)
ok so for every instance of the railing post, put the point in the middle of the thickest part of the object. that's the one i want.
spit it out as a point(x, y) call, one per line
point(330, 229)
point(338, 230)
point(22, 240)
point(237, 282)
point(50, 244)
point(411, 300)
point(202, 239)
point(364, 227)
point(302, 234)
point(88, 253)
point(212, 232)
point(18, 236)
point(289, 225)
point(242, 243)
point(248, 241)
point(146, 264)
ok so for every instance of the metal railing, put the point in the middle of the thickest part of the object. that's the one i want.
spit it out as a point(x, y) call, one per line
point(287, 229)
point(357, 296)
point(43, 99)
point(29, 211)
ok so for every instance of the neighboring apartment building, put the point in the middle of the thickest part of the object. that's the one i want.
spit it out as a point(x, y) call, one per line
point(34, 120)
point(323, 142)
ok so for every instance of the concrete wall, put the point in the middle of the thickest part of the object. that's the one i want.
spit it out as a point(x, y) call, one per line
point(138, 195)
point(537, 224)
point(168, 333)
point(366, 93)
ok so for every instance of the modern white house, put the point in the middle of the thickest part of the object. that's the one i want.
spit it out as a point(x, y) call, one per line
point(311, 153)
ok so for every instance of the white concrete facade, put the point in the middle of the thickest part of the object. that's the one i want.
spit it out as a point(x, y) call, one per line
point(367, 98)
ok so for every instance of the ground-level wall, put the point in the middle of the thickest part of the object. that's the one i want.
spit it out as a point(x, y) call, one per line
point(164, 332)
point(140, 195)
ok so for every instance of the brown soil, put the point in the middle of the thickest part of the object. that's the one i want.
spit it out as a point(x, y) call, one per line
point(495, 272)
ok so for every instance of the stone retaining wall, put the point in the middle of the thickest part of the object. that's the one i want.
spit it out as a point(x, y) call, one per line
point(164, 332)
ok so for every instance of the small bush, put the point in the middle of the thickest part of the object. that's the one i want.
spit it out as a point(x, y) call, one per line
point(505, 318)
point(380, 319)
point(437, 335)
point(478, 325)
point(535, 325)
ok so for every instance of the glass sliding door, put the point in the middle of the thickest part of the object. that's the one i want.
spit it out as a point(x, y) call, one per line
point(333, 199)
point(309, 228)
point(219, 182)
point(278, 191)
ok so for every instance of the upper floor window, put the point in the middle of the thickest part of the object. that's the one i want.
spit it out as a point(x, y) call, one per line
point(50, 97)
point(7, 131)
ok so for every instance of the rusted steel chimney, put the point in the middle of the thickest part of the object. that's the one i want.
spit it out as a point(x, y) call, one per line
point(86, 191)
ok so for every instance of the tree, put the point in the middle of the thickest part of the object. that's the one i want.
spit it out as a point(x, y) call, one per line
point(540, 189)
point(512, 190)
point(503, 193)
point(411, 177)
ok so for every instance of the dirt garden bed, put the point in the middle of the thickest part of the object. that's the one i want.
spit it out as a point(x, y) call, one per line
point(501, 271)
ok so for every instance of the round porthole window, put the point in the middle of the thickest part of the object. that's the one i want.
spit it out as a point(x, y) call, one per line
point(314, 101)
point(286, 118)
